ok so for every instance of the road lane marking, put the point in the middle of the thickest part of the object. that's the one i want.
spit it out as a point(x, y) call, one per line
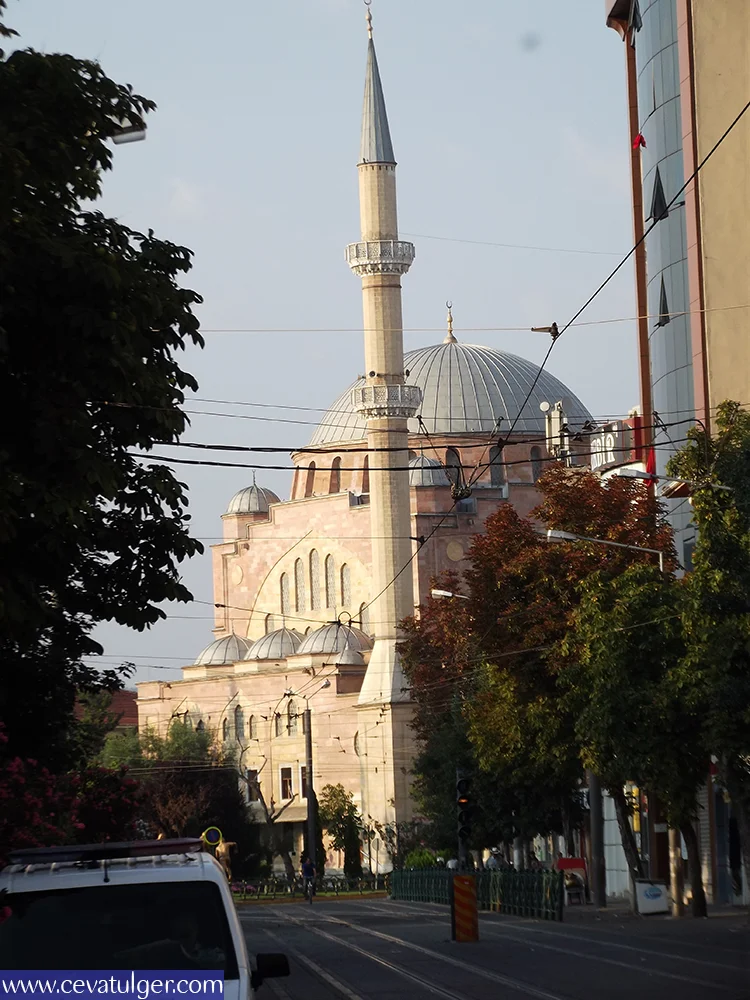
point(337, 984)
point(514, 984)
point(648, 970)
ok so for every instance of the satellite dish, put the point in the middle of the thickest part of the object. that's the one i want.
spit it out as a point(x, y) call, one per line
point(544, 407)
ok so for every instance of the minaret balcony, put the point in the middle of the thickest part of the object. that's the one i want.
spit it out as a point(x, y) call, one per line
point(380, 257)
point(375, 401)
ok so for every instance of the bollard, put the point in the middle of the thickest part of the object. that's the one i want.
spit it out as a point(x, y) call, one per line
point(464, 913)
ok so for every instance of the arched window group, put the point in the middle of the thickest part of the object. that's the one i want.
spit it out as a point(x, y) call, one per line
point(346, 586)
point(299, 586)
point(330, 582)
point(497, 469)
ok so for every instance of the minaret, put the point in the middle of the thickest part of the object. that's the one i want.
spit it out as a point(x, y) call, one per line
point(386, 402)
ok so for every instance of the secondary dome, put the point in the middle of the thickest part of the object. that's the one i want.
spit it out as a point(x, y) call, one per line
point(252, 500)
point(425, 471)
point(275, 645)
point(335, 639)
point(228, 649)
point(465, 389)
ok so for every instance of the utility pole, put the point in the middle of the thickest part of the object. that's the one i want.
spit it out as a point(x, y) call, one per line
point(312, 802)
point(596, 819)
point(676, 882)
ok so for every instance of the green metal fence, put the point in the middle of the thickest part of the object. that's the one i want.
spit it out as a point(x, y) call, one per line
point(520, 894)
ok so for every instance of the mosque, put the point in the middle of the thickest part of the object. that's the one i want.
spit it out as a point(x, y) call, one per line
point(399, 476)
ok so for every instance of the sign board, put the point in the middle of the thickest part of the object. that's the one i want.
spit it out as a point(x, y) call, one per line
point(606, 447)
point(651, 897)
point(464, 914)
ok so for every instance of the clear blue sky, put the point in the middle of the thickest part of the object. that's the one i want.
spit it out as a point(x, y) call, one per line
point(509, 124)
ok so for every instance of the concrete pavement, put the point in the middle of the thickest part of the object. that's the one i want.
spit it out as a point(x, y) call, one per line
point(393, 951)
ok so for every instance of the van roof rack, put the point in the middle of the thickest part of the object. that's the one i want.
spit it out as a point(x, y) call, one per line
point(103, 852)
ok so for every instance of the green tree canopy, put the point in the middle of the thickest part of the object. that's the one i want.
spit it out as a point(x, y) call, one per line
point(92, 315)
point(341, 820)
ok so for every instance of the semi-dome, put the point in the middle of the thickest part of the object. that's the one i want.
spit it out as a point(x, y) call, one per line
point(276, 645)
point(334, 638)
point(228, 649)
point(252, 500)
point(424, 471)
point(465, 389)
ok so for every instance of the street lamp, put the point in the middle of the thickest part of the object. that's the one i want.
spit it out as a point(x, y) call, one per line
point(566, 536)
point(448, 593)
point(673, 489)
point(128, 131)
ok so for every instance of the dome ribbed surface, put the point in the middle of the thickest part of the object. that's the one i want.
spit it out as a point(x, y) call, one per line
point(228, 649)
point(276, 645)
point(465, 389)
point(252, 500)
point(334, 639)
point(425, 471)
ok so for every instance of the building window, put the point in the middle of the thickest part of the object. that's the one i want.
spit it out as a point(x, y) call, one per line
point(314, 580)
point(536, 463)
point(364, 618)
point(453, 467)
point(303, 782)
point(346, 586)
point(224, 730)
point(335, 484)
point(664, 317)
point(310, 481)
point(286, 603)
point(252, 728)
point(497, 469)
point(278, 724)
point(357, 752)
point(253, 786)
point(330, 583)
point(366, 475)
point(466, 506)
point(291, 719)
point(268, 624)
point(286, 783)
point(299, 586)
point(239, 724)
point(659, 208)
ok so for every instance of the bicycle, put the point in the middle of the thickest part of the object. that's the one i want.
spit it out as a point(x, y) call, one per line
point(309, 889)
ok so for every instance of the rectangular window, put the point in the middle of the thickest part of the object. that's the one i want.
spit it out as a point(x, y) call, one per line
point(303, 782)
point(253, 786)
point(286, 783)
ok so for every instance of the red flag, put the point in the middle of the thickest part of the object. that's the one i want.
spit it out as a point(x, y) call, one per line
point(651, 462)
point(639, 141)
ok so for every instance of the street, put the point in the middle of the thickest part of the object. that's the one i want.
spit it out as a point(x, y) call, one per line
point(394, 950)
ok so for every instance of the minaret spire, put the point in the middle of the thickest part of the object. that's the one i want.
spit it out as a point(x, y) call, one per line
point(376, 145)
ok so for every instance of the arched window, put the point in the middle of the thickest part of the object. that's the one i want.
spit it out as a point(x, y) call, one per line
point(314, 580)
point(536, 463)
point(335, 484)
point(268, 624)
point(224, 730)
point(291, 718)
point(299, 586)
point(497, 469)
point(412, 455)
point(364, 618)
point(278, 724)
point(453, 466)
point(201, 727)
point(239, 724)
point(310, 481)
point(346, 586)
point(330, 583)
point(252, 727)
point(366, 475)
point(286, 604)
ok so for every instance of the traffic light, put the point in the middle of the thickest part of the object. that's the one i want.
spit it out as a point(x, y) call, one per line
point(464, 808)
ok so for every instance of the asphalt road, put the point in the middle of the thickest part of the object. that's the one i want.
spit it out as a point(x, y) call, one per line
point(402, 951)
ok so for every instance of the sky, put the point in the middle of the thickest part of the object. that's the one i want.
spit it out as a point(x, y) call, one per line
point(509, 123)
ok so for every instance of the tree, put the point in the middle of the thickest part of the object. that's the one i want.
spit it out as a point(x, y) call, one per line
point(717, 617)
point(625, 686)
point(340, 818)
point(92, 316)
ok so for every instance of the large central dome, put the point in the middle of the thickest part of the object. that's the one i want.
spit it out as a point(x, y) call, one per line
point(465, 389)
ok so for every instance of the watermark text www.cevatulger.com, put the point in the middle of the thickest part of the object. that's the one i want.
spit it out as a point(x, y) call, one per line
point(137, 985)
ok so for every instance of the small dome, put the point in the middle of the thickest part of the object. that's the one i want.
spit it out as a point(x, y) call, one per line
point(252, 500)
point(425, 471)
point(228, 649)
point(275, 645)
point(335, 639)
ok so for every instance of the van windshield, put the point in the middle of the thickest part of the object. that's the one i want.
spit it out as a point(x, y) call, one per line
point(148, 926)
